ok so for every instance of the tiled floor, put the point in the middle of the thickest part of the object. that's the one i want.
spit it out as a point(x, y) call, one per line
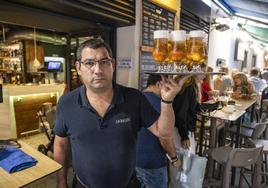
point(51, 180)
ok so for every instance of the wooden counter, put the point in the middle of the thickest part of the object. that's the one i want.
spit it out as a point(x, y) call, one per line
point(45, 166)
point(20, 104)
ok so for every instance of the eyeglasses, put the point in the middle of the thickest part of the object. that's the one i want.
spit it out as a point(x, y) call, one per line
point(90, 63)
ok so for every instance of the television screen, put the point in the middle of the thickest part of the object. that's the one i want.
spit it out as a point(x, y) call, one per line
point(54, 65)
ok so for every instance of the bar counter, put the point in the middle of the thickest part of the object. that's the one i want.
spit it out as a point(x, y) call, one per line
point(20, 105)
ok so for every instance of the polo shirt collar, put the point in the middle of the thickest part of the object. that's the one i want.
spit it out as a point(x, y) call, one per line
point(117, 98)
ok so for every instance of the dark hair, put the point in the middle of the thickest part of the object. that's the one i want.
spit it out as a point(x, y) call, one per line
point(254, 71)
point(153, 79)
point(93, 43)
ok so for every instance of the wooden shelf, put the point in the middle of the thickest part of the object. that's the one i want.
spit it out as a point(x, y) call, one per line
point(17, 57)
point(10, 71)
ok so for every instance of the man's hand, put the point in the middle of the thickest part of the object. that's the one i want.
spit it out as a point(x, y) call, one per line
point(170, 88)
point(176, 164)
point(185, 144)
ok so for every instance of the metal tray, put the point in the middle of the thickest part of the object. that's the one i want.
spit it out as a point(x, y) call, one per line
point(184, 73)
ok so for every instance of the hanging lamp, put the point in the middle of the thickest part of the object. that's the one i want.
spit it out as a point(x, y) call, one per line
point(36, 63)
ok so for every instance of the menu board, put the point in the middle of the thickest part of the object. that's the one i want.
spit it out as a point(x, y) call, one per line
point(148, 64)
point(155, 17)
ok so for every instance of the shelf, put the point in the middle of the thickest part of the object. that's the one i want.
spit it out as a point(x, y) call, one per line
point(10, 71)
point(17, 57)
point(183, 73)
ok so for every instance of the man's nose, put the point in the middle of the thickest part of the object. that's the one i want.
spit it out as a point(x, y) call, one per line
point(97, 68)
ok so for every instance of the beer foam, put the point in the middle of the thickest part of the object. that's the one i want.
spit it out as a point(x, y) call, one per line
point(197, 33)
point(158, 34)
point(178, 35)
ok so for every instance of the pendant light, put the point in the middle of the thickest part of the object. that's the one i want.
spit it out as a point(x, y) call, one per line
point(36, 63)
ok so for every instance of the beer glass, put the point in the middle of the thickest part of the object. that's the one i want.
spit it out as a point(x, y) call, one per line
point(177, 52)
point(196, 52)
point(160, 49)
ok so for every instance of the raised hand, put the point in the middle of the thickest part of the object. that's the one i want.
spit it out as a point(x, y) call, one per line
point(170, 88)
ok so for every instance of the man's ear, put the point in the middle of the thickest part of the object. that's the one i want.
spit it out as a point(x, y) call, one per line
point(78, 67)
point(113, 64)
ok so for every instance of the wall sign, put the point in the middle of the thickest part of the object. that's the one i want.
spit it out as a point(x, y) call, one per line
point(124, 62)
point(148, 64)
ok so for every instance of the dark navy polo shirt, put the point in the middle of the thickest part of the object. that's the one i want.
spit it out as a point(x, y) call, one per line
point(150, 154)
point(104, 149)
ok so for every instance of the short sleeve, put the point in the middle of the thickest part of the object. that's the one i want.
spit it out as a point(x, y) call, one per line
point(148, 115)
point(60, 128)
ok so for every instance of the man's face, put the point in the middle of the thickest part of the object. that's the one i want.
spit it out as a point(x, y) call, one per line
point(96, 69)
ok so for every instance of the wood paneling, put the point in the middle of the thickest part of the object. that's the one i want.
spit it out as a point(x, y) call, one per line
point(29, 55)
point(26, 108)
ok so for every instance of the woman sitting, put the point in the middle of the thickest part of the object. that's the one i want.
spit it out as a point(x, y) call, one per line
point(242, 88)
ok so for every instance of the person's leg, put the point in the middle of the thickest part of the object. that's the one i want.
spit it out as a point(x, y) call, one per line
point(159, 178)
point(192, 142)
point(141, 176)
point(152, 178)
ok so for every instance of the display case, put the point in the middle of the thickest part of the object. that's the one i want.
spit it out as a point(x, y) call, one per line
point(11, 63)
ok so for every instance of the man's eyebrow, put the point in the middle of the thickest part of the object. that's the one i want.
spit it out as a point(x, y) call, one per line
point(105, 58)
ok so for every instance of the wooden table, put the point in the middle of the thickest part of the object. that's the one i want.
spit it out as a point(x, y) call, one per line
point(240, 108)
point(45, 166)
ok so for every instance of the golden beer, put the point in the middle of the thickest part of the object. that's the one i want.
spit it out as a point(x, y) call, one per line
point(177, 52)
point(160, 49)
point(196, 51)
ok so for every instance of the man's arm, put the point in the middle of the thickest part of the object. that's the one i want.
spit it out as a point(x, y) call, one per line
point(163, 127)
point(169, 146)
point(61, 155)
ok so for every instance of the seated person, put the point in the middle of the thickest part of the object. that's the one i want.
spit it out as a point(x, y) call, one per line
point(223, 82)
point(242, 88)
point(255, 79)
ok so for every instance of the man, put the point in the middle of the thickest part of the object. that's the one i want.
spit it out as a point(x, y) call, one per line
point(256, 80)
point(101, 119)
point(151, 165)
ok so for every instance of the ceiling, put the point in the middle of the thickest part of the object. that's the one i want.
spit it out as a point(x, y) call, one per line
point(68, 16)
point(256, 9)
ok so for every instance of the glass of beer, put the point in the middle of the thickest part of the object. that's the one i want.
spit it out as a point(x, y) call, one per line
point(177, 52)
point(196, 51)
point(160, 49)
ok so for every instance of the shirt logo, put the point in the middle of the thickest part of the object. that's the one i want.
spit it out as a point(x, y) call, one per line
point(124, 120)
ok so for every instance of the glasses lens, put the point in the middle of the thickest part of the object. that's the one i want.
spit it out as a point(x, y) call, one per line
point(89, 64)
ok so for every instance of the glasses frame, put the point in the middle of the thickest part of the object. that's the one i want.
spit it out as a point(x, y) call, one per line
point(93, 63)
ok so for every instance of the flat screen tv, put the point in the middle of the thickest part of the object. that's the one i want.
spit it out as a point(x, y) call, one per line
point(54, 66)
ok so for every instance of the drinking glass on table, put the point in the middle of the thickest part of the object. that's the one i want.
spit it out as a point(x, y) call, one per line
point(215, 95)
point(228, 94)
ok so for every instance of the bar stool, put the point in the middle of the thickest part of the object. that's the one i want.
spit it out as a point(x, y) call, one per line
point(238, 158)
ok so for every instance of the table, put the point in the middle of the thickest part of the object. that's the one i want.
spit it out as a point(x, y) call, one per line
point(240, 108)
point(45, 166)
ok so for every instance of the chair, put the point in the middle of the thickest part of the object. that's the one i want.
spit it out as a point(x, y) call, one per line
point(264, 144)
point(264, 99)
point(254, 133)
point(238, 158)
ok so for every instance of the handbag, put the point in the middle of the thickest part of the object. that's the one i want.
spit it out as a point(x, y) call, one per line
point(192, 171)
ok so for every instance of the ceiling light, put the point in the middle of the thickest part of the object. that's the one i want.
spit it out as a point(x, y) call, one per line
point(222, 27)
